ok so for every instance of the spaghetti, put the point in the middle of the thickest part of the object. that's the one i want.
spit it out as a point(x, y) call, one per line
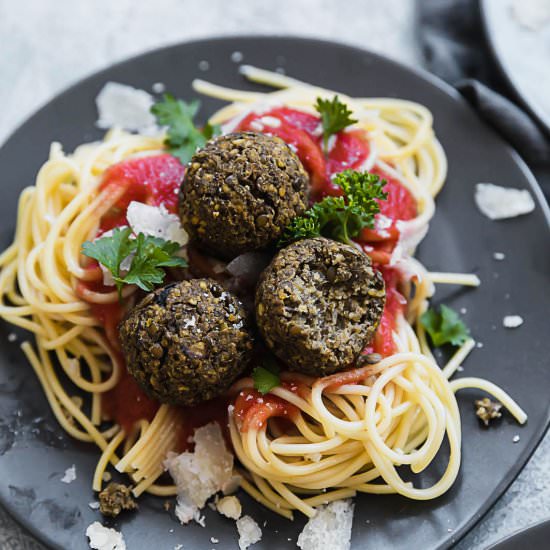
point(308, 441)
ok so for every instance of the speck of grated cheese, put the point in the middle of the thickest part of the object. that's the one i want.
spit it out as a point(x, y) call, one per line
point(158, 87)
point(70, 475)
point(515, 439)
point(94, 505)
point(499, 256)
point(237, 57)
point(12, 337)
point(512, 321)
point(204, 65)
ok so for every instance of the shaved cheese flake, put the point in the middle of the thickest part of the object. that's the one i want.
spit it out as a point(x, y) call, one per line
point(125, 107)
point(156, 221)
point(249, 532)
point(200, 474)
point(329, 528)
point(104, 538)
point(498, 203)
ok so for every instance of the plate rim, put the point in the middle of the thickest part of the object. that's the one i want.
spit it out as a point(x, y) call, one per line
point(419, 72)
point(541, 117)
point(519, 531)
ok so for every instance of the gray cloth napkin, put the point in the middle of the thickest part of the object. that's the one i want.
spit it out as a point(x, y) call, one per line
point(455, 49)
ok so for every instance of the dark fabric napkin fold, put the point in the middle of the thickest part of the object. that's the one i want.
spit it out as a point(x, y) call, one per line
point(455, 48)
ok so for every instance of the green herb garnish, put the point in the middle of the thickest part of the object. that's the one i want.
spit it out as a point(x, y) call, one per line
point(266, 377)
point(340, 218)
point(183, 138)
point(150, 255)
point(444, 327)
point(335, 116)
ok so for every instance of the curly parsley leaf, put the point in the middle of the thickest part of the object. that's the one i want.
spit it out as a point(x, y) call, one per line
point(444, 327)
point(335, 116)
point(266, 377)
point(340, 218)
point(183, 138)
point(149, 256)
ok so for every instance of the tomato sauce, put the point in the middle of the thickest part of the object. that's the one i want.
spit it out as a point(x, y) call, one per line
point(127, 403)
point(253, 409)
point(153, 180)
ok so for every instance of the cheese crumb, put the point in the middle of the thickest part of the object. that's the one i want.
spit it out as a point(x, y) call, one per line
point(214, 540)
point(104, 538)
point(125, 107)
point(12, 337)
point(158, 87)
point(70, 475)
point(249, 532)
point(329, 528)
point(515, 439)
point(230, 507)
point(499, 256)
point(498, 203)
point(200, 474)
point(512, 321)
point(156, 221)
point(94, 505)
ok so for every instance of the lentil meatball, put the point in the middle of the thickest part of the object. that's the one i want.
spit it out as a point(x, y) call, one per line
point(186, 342)
point(240, 192)
point(318, 305)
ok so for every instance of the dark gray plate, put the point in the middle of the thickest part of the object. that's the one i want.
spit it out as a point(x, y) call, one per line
point(522, 54)
point(535, 536)
point(35, 453)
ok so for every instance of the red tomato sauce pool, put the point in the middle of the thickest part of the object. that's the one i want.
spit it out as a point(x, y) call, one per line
point(153, 180)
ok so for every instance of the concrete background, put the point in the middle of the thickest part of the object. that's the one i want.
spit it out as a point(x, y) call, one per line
point(46, 45)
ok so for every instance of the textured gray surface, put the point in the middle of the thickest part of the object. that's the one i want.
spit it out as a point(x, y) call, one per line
point(46, 45)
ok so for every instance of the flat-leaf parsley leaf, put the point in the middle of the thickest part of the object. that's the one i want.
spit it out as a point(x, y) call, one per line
point(149, 256)
point(444, 327)
point(340, 218)
point(183, 138)
point(266, 377)
point(335, 116)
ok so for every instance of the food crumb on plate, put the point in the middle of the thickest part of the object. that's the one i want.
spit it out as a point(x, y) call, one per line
point(499, 256)
point(12, 337)
point(70, 475)
point(498, 203)
point(512, 321)
point(158, 87)
point(204, 65)
point(104, 538)
point(214, 540)
point(249, 532)
point(515, 439)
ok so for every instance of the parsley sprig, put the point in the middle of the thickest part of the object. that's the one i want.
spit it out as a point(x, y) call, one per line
point(340, 218)
point(335, 116)
point(444, 326)
point(266, 377)
point(149, 256)
point(183, 138)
